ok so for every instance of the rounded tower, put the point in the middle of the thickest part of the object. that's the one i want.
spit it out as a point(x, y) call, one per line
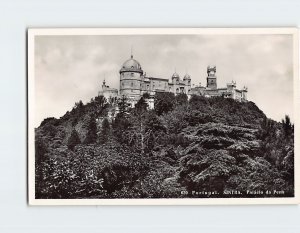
point(131, 78)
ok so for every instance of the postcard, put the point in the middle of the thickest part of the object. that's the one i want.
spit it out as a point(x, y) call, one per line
point(163, 116)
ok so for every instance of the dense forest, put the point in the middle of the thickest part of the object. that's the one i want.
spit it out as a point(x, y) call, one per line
point(196, 148)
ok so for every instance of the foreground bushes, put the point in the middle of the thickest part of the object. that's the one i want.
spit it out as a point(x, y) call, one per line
point(87, 171)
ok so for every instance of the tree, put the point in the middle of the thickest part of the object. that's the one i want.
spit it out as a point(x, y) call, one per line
point(199, 102)
point(120, 125)
point(73, 140)
point(207, 170)
point(181, 99)
point(91, 136)
point(79, 105)
point(52, 121)
point(99, 105)
point(287, 126)
point(164, 102)
point(105, 131)
point(176, 120)
point(40, 149)
point(100, 101)
point(123, 106)
point(141, 105)
point(153, 130)
point(146, 95)
point(153, 123)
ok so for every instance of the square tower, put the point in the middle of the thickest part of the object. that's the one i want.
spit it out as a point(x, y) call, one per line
point(211, 77)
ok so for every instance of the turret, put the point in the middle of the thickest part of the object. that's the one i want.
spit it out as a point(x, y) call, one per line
point(175, 78)
point(187, 80)
point(244, 93)
point(187, 83)
point(104, 85)
point(231, 86)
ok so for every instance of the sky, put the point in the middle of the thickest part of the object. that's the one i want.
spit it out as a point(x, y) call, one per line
point(72, 68)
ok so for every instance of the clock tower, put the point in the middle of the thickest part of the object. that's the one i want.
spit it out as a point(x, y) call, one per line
point(211, 77)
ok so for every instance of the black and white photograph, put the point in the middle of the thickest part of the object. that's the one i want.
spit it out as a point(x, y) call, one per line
point(162, 116)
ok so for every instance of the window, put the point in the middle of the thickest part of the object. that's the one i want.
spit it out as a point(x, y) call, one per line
point(132, 74)
point(132, 84)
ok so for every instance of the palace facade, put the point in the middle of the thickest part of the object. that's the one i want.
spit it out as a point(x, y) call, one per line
point(134, 83)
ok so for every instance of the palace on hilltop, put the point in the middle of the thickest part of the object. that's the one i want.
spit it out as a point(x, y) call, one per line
point(134, 83)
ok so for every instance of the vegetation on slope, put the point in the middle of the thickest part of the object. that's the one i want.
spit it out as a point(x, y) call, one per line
point(214, 147)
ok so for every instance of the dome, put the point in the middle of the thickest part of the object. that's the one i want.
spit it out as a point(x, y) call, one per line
point(131, 65)
point(211, 68)
point(187, 76)
point(175, 75)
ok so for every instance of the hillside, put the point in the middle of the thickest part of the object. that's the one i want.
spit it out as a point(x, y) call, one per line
point(204, 147)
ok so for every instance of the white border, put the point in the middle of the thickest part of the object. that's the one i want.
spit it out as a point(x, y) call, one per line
point(152, 31)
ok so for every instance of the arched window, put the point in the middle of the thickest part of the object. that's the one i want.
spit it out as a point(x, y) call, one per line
point(131, 84)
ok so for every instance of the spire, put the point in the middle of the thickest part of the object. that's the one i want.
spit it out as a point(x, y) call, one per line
point(131, 52)
point(104, 80)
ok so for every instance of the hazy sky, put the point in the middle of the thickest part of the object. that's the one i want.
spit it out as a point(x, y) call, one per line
point(72, 68)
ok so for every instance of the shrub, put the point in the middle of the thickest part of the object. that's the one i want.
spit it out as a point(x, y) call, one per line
point(73, 140)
